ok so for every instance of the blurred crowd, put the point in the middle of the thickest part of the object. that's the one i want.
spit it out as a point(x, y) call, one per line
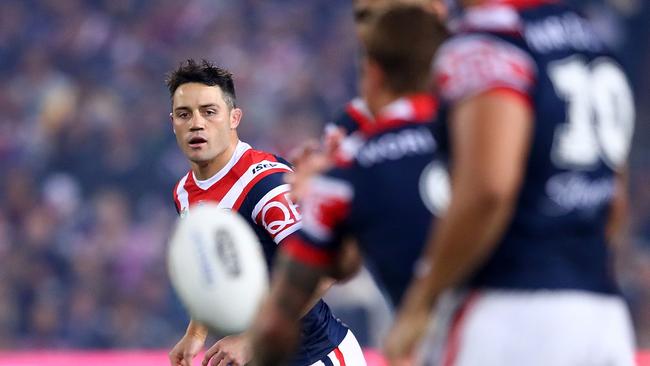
point(88, 159)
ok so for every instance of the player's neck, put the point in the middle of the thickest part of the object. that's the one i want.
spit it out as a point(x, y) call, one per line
point(206, 169)
point(379, 100)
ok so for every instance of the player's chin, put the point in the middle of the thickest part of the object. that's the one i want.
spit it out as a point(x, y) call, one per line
point(198, 156)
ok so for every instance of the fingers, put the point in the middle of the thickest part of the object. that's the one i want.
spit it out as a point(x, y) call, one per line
point(187, 359)
point(214, 354)
point(299, 154)
point(179, 358)
point(333, 139)
point(225, 362)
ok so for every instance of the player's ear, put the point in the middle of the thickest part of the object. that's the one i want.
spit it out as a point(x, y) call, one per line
point(171, 119)
point(235, 117)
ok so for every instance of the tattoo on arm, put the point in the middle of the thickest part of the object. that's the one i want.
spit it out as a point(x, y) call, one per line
point(295, 286)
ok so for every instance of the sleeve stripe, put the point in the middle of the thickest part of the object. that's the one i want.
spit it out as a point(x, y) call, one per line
point(301, 251)
point(248, 179)
point(332, 187)
point(267, 197)
point(512, 92)
point(285, 233)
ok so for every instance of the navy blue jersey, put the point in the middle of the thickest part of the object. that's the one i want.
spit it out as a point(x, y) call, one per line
point(583, 121)
point(252, 184)
point(352, 117)
point(375, 195)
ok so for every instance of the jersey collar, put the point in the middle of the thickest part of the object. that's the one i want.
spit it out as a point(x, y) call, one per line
point(415, 108)
point(240, 149)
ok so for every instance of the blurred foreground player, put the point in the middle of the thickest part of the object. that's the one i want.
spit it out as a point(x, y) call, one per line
point(356, 111)
point(228, 171)
point(372, 192)
point(540, 118)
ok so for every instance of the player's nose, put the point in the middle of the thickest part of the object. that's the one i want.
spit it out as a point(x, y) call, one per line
point(197, 122)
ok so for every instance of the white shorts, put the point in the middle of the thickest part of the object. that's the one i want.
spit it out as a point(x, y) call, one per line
point(348, 353)
point(540, 328)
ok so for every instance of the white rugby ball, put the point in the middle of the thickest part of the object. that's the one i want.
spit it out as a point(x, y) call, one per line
point(217, 268)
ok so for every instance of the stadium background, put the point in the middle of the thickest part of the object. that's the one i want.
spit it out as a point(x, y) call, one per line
point(88, 159)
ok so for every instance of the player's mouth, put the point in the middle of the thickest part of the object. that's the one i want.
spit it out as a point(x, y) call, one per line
point(197, 142)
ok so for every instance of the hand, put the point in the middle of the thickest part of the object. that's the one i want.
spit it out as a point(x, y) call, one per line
point(404, 336)
point(312, 158)
point(233, 350)
point(311, 164)
point(186, 349)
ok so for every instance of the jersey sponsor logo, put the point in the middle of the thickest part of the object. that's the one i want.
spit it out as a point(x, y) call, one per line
point(571, 191)
point(394, 146)
point(279, 213)
point(263, 166)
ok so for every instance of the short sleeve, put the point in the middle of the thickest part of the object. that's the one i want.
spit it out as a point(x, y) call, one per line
point(468, 65)
point(273, 209)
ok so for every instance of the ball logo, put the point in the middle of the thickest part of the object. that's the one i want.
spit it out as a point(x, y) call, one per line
point(227, 253)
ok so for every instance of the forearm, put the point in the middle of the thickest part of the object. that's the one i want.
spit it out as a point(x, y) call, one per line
point(197, 329)
point(277, 328)
point(322, 287)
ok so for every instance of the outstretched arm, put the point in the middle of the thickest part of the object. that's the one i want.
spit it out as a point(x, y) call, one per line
point(276, 330)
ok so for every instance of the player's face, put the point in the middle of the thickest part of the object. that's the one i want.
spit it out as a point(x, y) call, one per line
point(204, 124)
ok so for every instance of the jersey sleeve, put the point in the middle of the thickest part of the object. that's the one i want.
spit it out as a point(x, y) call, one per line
point(469, 65)
point(326, 208)
point(271, 207)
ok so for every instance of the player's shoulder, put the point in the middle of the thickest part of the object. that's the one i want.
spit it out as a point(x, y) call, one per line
point(484, 57)
point(258, 162)
point(264, 173)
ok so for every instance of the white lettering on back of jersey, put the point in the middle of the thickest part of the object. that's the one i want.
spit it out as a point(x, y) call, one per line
point(394, 146)
point(561, 32)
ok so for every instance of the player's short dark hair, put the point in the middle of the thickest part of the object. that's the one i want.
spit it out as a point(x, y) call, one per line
point(205, 73)
point(402, 40)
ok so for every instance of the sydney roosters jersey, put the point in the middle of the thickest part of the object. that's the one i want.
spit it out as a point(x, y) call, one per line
point(354, 115)
point(381, 195)
point(252, 184)
point(583, 116)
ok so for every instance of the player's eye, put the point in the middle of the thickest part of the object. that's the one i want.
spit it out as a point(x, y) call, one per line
point(182, 115)
point(210, 112)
